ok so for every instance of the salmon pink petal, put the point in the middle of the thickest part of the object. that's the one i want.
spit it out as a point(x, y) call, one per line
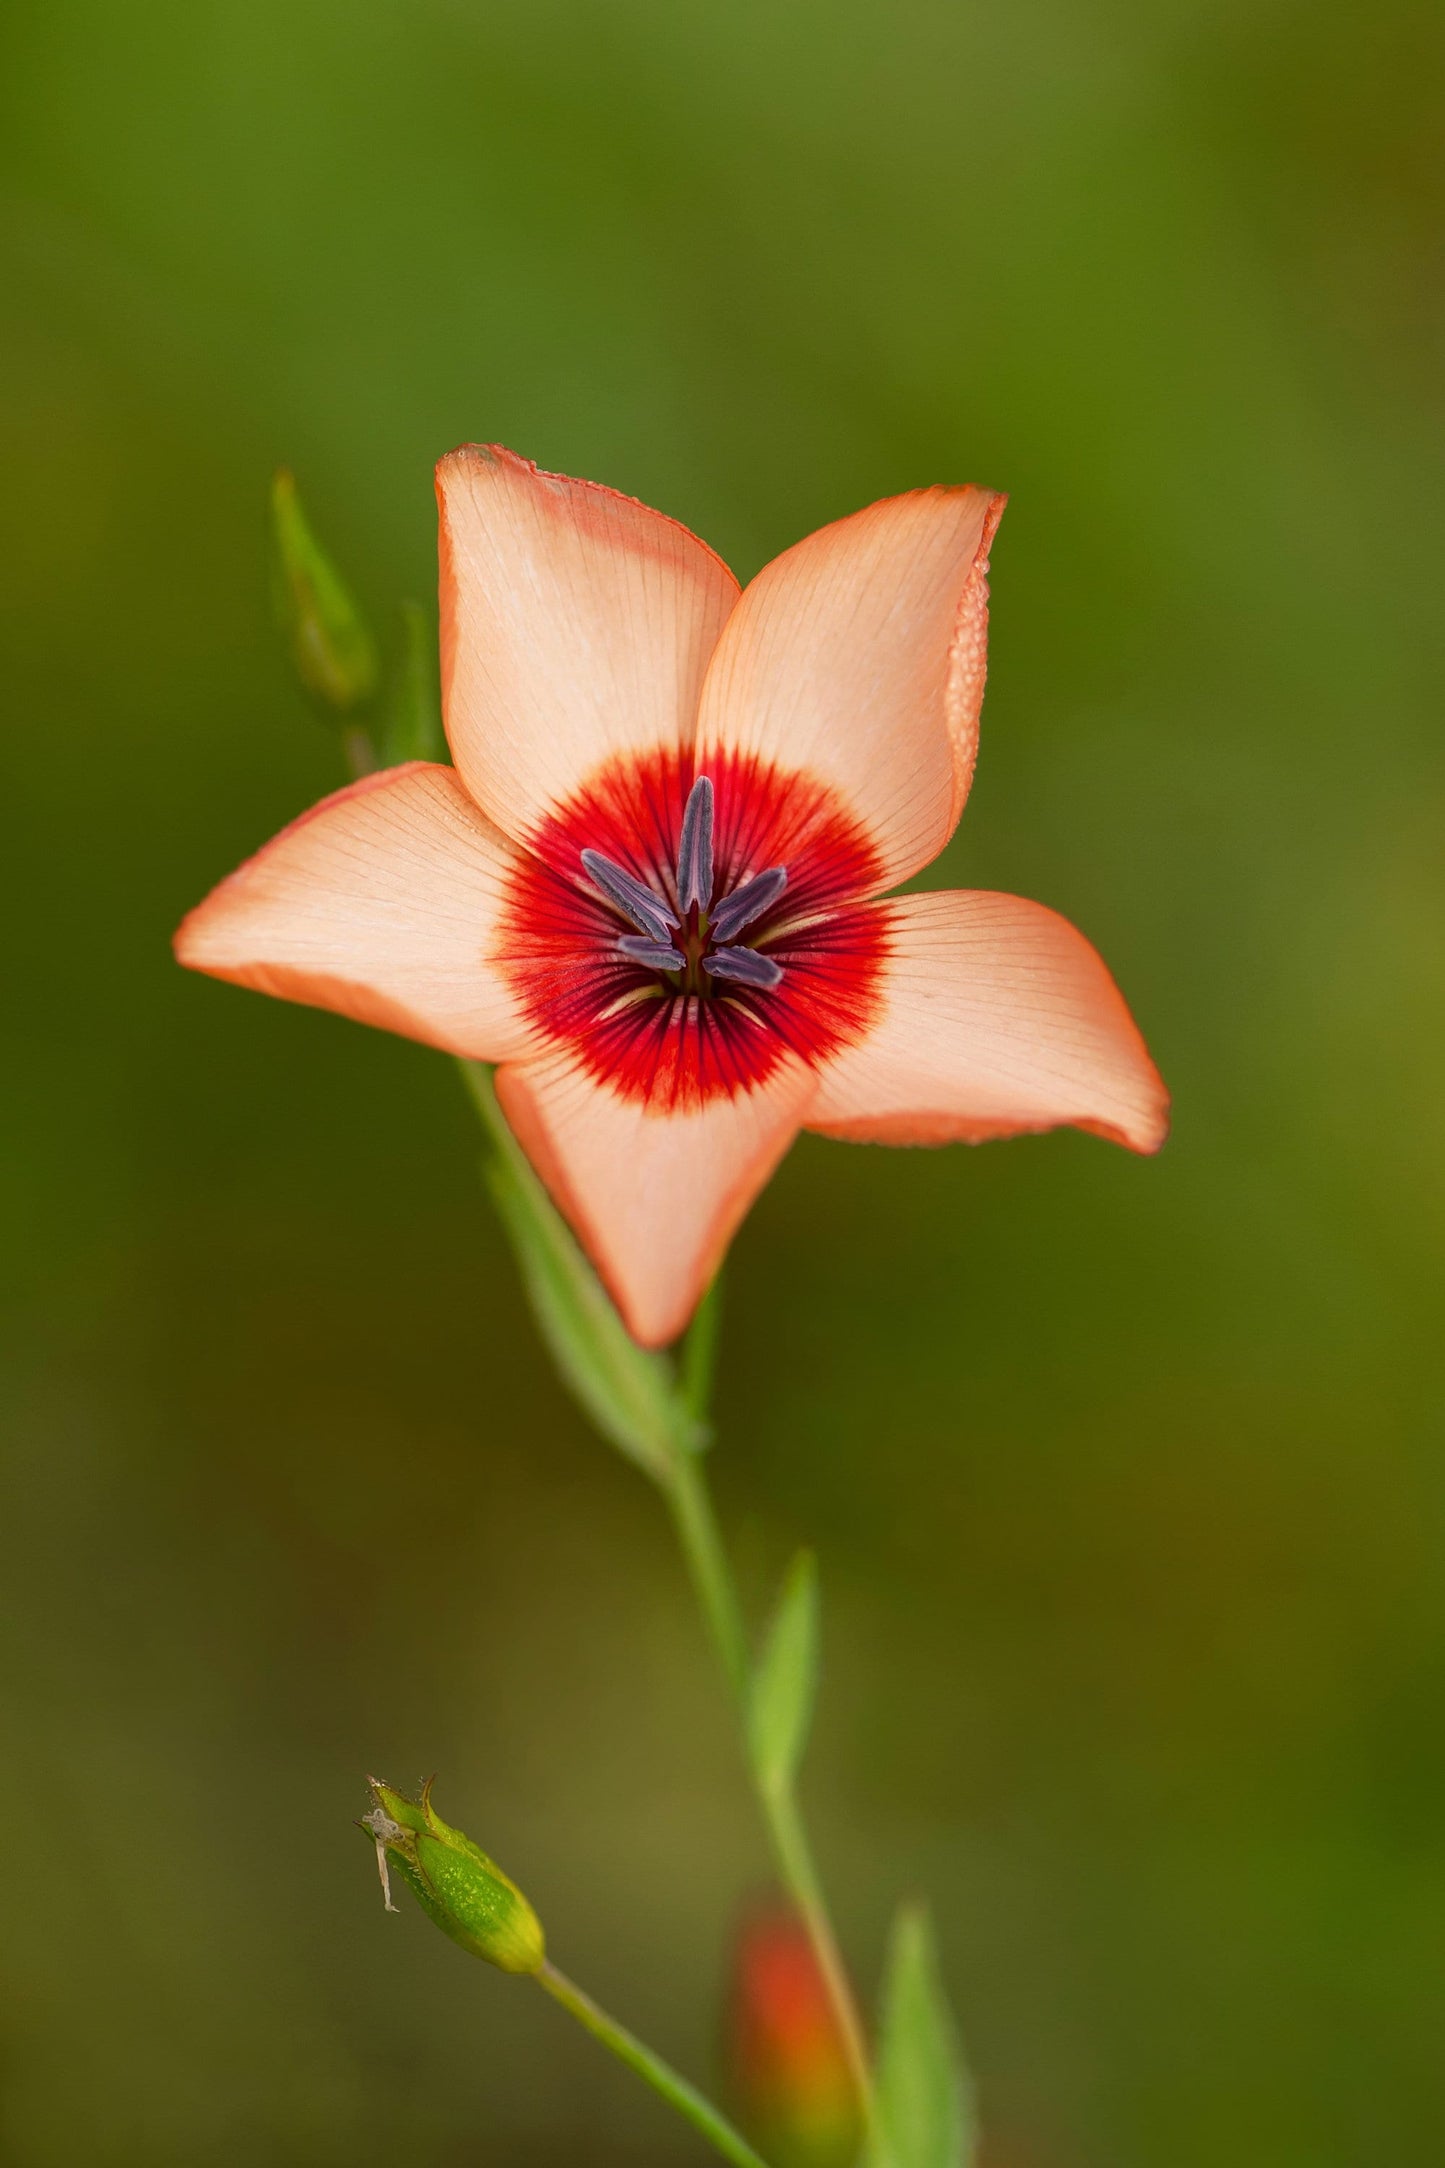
point(382, 902)
point(997, 1016)
point(857, 659)
point(575, 625)
point(654, 1197)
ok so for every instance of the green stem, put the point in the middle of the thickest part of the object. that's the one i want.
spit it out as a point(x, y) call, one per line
point(697, 1529)
point(477, 1078)
point(801, 1880)
point(665, 2081)
point(677, 1468)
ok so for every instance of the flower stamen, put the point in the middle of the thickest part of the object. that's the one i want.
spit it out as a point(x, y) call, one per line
point(746, 903)
point(694, 852)
point(633, 898)
point(660, 955)
point(695, 939)
point(745, 965)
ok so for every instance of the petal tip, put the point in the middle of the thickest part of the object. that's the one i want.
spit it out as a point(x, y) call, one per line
point(479, 455)
point(1149, 1134)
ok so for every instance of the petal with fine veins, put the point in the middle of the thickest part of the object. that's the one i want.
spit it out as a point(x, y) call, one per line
point(382, 902)
point(857, 658)
point(998, 1017)
point(654, 1197)
point(575, 625)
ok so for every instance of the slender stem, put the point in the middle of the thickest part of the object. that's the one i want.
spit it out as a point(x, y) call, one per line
point(628, 2049)
point(697, 1529)
point(801, 1880)
point(477, 1079)
point(687, 1494)
point(681, 1479)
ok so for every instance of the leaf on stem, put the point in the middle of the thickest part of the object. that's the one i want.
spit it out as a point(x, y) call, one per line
point(785, 1681)
point(626, 1391)
point(925, 2100)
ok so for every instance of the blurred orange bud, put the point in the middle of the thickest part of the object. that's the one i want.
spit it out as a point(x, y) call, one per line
point(786, 2057)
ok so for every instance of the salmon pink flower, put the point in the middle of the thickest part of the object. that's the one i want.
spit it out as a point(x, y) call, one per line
point(652, 887)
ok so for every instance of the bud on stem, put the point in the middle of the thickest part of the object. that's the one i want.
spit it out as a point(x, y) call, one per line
point(789, 2061)
point(457, 1886)
point(471, 1900)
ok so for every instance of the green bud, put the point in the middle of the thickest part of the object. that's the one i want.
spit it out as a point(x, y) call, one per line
point(452, 1879)
point(331, 646)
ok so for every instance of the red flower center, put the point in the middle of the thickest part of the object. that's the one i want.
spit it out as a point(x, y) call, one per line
point(684, 934)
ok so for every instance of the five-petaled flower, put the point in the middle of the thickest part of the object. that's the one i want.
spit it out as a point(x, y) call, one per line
point(652, 888)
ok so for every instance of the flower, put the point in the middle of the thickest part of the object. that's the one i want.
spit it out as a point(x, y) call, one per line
point(787, 2060)
point(652, 888)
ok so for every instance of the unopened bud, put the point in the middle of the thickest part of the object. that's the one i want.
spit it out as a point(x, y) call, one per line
point(452, 1879)
point(789, 2066)
point(331, 646)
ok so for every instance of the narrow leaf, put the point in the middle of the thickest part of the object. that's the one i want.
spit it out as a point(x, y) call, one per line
point(925, 2100)
point(625, 1390)
point(413, 710)
point(332, 651)
point(785, 1682)
point(699, 1362)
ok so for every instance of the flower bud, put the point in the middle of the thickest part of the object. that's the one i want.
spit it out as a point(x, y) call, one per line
point(452, 1879)
point(789, 2068)
point(331, 646)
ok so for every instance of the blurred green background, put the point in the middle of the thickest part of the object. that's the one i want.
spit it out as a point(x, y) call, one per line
point(1127, 1477)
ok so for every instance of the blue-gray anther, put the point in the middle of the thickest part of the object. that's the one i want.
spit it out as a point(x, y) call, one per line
point(657, 955)
point(747, 903)
point(670, 939)
point(694, 852)
point(745, 965)
point(633, 898)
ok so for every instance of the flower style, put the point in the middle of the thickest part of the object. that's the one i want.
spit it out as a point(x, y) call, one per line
point(652, 887)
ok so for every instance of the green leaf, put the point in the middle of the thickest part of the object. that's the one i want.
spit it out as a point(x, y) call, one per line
point(925, 2100)
point(625, 1390)
point(699, 1362)
point(413, 710)
point(331, 647)
point(785, 1682)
